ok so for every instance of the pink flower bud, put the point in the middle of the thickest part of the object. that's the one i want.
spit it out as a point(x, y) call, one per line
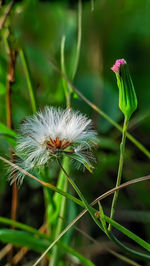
point(116, 66)
point(127, 95)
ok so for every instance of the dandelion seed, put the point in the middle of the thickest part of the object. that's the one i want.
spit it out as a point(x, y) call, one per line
point(52, 133)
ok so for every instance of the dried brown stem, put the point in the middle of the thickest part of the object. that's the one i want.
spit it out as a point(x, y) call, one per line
point(5, 251)
point(10, 81)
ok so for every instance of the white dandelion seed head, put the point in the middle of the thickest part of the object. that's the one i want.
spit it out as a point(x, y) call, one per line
point(52, 132)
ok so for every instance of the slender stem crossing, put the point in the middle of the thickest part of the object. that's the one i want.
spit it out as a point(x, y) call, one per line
point(121, 161)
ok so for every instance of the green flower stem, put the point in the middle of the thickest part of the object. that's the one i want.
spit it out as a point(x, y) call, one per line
point(60, 202)
point(121, 161)
point(29, 82)
point(89, 208)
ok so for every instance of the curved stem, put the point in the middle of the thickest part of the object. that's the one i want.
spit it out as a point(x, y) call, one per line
point(121, 161)
point(129, 251)
point(78, 39)
point(6, 14)
point(89, 209)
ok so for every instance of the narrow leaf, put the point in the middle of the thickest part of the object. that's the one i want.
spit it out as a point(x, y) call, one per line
point(102, 218)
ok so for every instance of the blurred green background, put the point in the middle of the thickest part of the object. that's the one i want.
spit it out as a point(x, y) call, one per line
point(114, 29)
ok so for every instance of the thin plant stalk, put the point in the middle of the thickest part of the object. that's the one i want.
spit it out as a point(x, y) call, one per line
point(92, 5)
point(65, 85)
point(79, 194)
point(6, 14)
point(121, 161)
point(78, 39)
point(29, 82)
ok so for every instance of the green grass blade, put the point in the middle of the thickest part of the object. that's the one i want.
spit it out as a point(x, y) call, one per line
point(128, 233)
point(29, 82)
point(102, 218)
point(60, 203)
point(9, 134)
point(21, 239)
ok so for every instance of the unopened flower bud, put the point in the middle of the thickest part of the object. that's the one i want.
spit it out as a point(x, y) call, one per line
point(127, 95)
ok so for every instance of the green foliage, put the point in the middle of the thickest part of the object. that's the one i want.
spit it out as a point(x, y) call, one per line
point(9, 134)
point(114, 29)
